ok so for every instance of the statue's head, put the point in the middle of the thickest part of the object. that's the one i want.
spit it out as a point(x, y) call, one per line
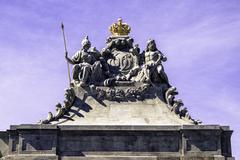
point(151, 45)
point(86, 44)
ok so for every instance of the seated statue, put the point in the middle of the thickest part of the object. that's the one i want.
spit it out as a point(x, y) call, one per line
point(152, 70)
point(89, 67)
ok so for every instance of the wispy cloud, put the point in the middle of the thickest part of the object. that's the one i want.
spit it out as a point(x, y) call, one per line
point(200, 39)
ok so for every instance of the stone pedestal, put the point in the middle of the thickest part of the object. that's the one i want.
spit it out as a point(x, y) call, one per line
point(198, 142)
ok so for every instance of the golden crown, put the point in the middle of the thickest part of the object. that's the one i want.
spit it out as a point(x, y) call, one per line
point(119, 28)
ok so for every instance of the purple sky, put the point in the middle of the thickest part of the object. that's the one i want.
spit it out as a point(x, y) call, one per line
point(200, 38)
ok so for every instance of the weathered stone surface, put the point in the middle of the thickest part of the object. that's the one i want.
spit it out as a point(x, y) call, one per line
point(87, 110)
point(31, 157)
point(3, 143)
point(119, 142)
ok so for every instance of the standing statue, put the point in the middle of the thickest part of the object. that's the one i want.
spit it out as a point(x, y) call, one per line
point(89, 67)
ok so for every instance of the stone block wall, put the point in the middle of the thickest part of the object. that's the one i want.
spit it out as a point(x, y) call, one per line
point(202, 142)
point(3, 143)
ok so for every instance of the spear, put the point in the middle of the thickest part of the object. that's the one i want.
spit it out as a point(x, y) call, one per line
point(65, 47)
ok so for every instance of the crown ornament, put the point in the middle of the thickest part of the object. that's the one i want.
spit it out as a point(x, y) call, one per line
point(119, 28)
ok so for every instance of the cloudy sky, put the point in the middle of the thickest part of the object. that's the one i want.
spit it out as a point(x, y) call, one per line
point(200, 38)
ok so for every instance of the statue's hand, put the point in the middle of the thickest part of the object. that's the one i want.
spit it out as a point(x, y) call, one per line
point(164, 59)
point(68, 59)
point(66, 54)
point(148, 66)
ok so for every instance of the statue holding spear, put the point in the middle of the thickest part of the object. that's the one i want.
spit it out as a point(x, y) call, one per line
point(88, 65)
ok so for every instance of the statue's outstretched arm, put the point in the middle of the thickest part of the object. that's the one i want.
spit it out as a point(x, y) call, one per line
point(163, 57)
point(68, 59)
point(159, 60)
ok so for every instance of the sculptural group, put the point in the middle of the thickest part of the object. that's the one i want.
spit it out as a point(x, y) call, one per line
point(119, 62)
point(120, 72)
